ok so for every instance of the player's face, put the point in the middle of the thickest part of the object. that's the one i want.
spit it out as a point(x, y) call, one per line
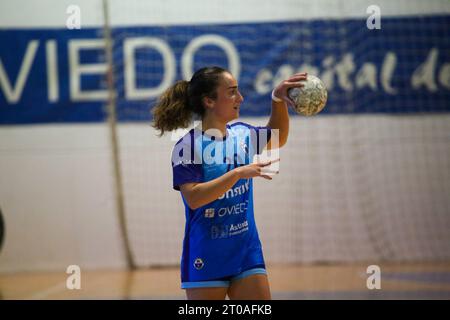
point(229, 99)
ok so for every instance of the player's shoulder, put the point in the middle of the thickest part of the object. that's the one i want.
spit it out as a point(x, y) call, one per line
point(185, 139)
point(187, 150)
point(184, 146)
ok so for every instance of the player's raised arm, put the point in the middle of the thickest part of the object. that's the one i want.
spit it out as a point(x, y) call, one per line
point(279, 117)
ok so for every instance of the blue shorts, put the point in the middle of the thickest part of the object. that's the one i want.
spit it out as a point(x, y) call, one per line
point(224, 282)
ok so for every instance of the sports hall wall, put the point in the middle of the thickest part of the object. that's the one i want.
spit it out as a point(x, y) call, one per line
point(368, 179)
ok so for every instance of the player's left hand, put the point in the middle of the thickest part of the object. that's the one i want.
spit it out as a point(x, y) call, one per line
point(281, 91)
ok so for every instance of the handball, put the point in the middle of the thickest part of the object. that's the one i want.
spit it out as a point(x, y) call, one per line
point(311, 98)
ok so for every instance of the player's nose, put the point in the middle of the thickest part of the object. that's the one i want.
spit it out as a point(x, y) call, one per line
point(240, 97)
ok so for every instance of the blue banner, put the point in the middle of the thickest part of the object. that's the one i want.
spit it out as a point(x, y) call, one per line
point(60, 75)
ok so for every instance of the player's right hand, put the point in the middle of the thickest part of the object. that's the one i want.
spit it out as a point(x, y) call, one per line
point(281, 91)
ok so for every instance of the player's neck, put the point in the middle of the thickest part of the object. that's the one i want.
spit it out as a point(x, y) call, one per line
point(211, 123)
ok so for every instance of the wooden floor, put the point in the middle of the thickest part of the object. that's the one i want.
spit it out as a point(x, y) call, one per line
point(398, 281)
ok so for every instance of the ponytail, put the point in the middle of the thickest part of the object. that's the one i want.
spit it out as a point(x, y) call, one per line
point(172, 110)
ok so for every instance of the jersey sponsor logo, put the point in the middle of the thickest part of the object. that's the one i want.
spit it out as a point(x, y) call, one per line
point(235, 209)
point(219, 231)
point(236, 191)
point(228, 230)
point(209, 213)
point(238, 228)
point(198, 263)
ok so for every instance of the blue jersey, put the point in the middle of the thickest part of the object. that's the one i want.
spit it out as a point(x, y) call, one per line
point(221, 238)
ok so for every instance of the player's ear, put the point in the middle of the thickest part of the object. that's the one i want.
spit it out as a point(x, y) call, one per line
point(208, 102)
